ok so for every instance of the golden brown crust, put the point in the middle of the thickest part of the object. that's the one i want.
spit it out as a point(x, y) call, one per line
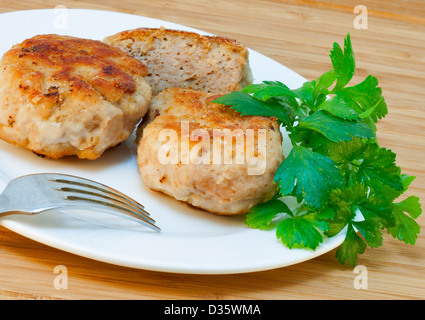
point(142, 33)
point(62, 95)
point(186, 59)
point(61, 59)
point(197, 105)
point(195, 127)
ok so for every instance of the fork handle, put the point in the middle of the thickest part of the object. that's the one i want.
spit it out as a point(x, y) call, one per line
point(4, 202)
point(5, 209)
point(3, 183)
point(9, 213)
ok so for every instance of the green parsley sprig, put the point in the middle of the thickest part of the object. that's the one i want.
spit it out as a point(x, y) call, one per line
point(341, 178)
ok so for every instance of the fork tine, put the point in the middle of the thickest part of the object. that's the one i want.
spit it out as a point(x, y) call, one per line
point(139, 209)
point(102, 196)
point(143, 219)
point(99, 187)
point(116, 201)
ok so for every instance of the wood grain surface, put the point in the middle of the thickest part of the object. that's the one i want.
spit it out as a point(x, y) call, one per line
point(298, 34)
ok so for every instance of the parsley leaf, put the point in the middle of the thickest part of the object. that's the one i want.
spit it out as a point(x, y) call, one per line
point(377, 164)
point(340, 108)
point(351, 247)
point(370, 230)
point(366, 98)
point(406, 229)
point(340, 176)
point(343, 63)
point(365, 162)
point(306, 95)
point(269, 89)
point(299, 232)
point(261, 216)
point(248, 105)
point(335, 128)
point(309, 175)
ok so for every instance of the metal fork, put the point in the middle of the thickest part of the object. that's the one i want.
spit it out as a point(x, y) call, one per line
point(37, 193)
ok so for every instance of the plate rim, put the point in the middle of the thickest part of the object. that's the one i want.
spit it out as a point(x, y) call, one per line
point(20, 229)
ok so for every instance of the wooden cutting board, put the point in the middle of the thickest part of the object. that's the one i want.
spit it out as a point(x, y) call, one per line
point(298, 34)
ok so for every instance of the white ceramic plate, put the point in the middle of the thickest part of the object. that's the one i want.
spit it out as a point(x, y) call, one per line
point(191, 241)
